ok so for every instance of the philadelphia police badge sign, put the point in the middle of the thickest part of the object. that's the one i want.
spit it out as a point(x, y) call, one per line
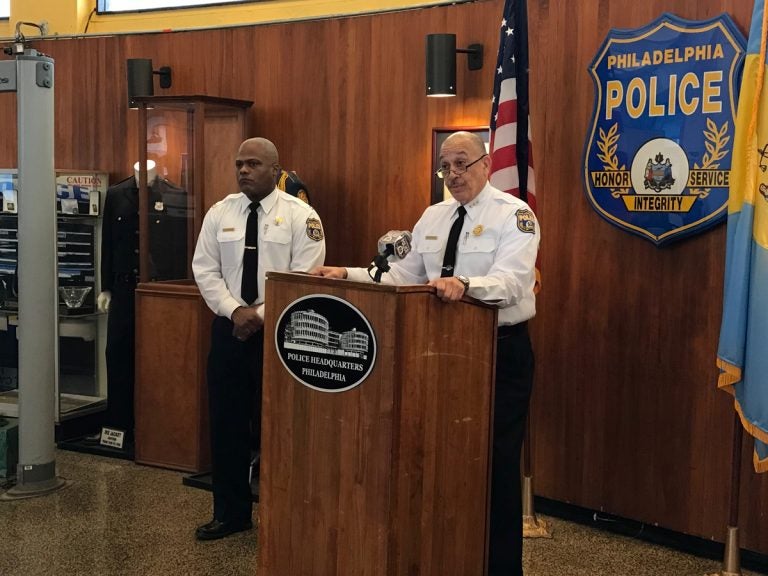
point(325, 343)
point(658, 155)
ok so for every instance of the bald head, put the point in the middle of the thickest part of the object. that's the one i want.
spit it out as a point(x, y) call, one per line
point(266, 147)
point(257, 166)
point(469, 142)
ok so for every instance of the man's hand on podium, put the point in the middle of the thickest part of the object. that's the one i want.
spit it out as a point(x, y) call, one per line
point(329, 272)
point(449, 289)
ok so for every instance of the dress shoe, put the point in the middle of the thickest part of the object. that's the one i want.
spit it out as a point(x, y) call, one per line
point(215, 529)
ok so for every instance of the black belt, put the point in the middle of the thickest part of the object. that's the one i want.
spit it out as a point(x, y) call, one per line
point(512, 329)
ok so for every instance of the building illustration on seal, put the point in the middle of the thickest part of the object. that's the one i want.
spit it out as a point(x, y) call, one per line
point(309, 331)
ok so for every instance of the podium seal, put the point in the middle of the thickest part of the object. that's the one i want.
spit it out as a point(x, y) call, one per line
point(325, 343)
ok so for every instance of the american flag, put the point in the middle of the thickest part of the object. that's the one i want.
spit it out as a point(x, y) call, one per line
point(511, 155)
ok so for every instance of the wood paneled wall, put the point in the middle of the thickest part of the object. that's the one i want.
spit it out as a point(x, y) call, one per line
point(626, 416)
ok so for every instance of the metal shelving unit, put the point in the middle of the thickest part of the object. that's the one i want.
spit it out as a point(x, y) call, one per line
point(81, 379)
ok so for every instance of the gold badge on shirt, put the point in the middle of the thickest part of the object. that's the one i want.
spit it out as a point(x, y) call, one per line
point(314, 229)
point(477, 230)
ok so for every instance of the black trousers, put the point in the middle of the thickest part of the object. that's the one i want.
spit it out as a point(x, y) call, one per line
point(514, 381)
point(234, 397)
point(119, 354)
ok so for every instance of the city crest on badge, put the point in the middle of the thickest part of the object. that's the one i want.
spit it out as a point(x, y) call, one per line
point(658, 174)
point(657, 157)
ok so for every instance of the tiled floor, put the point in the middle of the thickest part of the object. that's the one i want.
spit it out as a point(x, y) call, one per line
point(118, 518)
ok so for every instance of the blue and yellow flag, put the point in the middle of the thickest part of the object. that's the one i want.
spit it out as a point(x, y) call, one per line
point(743, 350)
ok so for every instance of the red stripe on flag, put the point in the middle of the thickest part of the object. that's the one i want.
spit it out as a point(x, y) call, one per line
point(503, 157)
point(507, 113)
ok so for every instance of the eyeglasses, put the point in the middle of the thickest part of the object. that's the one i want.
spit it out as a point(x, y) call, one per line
point(459, 168)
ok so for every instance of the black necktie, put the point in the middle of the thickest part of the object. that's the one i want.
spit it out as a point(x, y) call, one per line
point(249, 289)
point(453, 239)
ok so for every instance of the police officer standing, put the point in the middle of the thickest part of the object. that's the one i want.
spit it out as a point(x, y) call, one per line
point(243, 236)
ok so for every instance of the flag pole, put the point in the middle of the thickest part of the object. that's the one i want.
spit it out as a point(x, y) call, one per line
point(512, 172)
point(732, 555)
point(532, 527)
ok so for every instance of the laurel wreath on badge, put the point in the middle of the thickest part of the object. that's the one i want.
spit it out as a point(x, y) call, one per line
point(607, 145)
point(716, 141)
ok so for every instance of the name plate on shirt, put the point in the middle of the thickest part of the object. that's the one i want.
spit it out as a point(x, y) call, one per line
point(325, 343)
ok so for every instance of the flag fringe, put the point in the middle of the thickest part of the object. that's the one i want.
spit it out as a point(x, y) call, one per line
point(751, 429)
point(731, 374)
point(760, 465)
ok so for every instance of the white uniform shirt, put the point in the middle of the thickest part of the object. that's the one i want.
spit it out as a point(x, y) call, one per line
point(497, 251)
point(290, 240)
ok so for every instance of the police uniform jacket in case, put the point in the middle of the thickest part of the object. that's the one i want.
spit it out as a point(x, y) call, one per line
point(167, 216)
point(120, 270)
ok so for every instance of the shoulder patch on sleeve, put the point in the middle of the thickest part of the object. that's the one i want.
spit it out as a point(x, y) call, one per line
point(526, 221)
point(314, 229)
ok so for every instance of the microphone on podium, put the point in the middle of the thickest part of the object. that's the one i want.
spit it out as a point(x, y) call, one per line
point(395, 244)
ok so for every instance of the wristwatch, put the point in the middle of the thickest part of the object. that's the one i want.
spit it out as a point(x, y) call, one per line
point(464, 280)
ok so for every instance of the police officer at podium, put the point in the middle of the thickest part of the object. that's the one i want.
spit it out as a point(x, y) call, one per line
point(482, 243)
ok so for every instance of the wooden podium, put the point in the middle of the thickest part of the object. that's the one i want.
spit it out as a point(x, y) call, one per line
point(390, 478)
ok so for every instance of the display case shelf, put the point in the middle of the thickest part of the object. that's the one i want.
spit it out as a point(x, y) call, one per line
point(70, 405)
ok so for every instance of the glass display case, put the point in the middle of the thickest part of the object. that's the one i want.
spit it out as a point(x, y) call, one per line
point(81, 383)
point(192, 142)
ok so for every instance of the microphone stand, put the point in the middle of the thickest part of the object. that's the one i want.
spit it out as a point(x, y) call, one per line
point(381, 264)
